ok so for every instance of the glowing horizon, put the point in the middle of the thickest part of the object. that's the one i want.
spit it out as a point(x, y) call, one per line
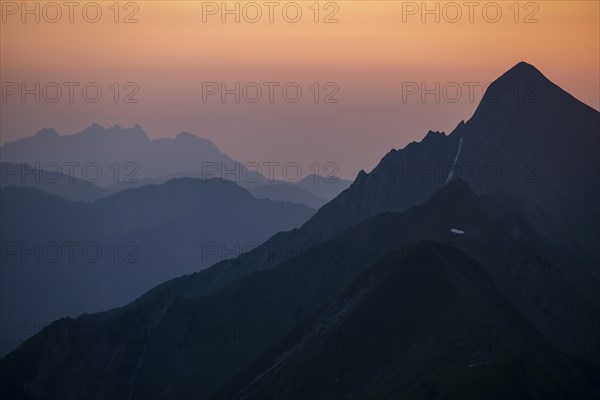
point(368, 53)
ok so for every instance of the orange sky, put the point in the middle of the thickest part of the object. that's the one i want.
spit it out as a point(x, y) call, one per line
point(373, 48)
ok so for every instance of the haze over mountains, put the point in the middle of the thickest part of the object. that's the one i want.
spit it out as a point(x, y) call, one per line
point(119, 158)
point(124, 155)
point(465, 265)
point(65, 258)
point(73, 167)
point(286, 192)
point(50, 181)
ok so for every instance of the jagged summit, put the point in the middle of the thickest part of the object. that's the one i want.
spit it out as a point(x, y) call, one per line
point(154, 158)
point(534, 124)
point(93, 129)
point(98, 130)
point(433, 134)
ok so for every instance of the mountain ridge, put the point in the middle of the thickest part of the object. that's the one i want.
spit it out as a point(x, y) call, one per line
point(543, 277)
point(144, 236)
point(291, 293)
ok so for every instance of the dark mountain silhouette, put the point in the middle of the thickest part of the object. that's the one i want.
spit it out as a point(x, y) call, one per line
point(389, 187)
point(425, 322)
point(498, 137)
point(145, 236)
point(522, 139)
point(50, 181)
point(409, 242)
point(218, 345)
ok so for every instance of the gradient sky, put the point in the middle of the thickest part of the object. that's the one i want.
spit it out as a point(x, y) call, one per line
point(373, 48)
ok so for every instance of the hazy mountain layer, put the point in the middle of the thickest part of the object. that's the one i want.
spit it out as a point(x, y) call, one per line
point(64, 258)
point(327, 310)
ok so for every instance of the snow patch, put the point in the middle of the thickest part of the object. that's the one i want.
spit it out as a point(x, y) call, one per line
point(449, 178)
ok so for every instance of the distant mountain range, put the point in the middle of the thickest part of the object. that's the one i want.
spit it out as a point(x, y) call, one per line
point(462, 266)
point(97, 161)
point(307, 191)
point(116, 155)
point(145, 236)
point(287, 192)
point(50, 181)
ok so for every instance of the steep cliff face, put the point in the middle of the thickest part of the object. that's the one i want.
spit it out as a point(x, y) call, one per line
point(527, 137)
point(541, 145)
point(521, 143)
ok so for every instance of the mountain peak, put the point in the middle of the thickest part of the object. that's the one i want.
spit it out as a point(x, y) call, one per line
point(186, 135)
point(434, 134)
point(135, 132)
point(521, 74)
point(524, 68)
point(517, 92)
point(94, 128)
point(47, 132)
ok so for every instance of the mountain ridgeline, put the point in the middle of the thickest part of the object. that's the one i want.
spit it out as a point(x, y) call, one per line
point(116, 155)
point(462, 266)
point(102, 254)
point(521, 144)
point(99, 161)
point(50, 181)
